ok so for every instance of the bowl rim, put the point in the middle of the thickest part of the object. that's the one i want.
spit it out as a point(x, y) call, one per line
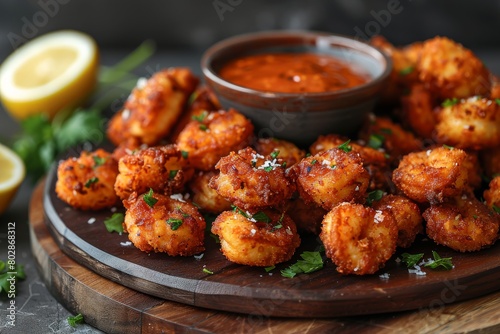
point(361, 46)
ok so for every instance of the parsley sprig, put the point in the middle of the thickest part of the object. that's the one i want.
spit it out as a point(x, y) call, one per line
point(75, 320)
point(412, 260)
point(311, 262)
point(7, 271)
point(115, 222)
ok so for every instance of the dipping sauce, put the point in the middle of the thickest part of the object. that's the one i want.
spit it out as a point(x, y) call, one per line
point(292, 73)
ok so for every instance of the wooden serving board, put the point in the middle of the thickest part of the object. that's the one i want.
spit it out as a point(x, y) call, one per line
point(251, 290)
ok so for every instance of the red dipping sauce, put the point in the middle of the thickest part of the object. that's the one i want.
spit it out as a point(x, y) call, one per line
point(293, 73)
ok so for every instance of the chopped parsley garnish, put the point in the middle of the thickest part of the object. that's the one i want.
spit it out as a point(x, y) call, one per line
point(149, 199)
point(206, 271)
point(203, 127)
point(314, 162)
point(98, 161)
point(497, 101)
point(185, 154)
point(274, 154)
point(440, 262)
point(91, 181)
point(201, 117)
point(268, 269)
point(283, 164)
point(449, 102)
point(75, 320)
point(374, 196)
point(406, 70)
point(114, 223)
point(311, 262)
point(376, 141)
point(448, 147)
point(495, 208)
point(174, 223)
point(345, 146)
point(172, 174)
point(260, 216)
point(411, 259)
point(268, 168)
point(192, 97)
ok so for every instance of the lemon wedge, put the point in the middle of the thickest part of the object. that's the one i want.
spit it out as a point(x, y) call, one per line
point(52, 72)
point(12, 174)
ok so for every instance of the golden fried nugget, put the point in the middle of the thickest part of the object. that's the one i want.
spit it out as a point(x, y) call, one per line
point(169, 225)
point(418, 111)
point(331, 177)
point(153, 107)
point(204, 196)
point(250, 180)
point(213, 135)
point(473, 123)
point(307, 217)
point(463, 223)
point(87, 182)
point(358, 239)
point(263, 239)
point(288, 151)
point(492, 194)
point(450, 70)
point(407, 216)
point(160, 168)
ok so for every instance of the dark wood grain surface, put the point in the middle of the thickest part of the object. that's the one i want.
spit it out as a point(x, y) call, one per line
point(251, 290)
point(114, 308)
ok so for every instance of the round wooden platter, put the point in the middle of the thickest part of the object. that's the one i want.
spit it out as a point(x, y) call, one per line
point(251, 290)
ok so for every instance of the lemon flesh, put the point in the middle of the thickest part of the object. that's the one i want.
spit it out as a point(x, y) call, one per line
point(12, 172)
point(52, 72)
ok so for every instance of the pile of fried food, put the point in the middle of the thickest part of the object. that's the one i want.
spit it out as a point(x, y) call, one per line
point(419, 166)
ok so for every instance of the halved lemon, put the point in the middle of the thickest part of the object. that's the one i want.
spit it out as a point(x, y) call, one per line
point(55, 71)
point(12, 174)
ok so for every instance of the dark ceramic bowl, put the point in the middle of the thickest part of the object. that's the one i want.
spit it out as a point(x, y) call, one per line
point(299, 117)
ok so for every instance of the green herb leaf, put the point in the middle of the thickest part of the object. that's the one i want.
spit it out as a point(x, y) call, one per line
point(345, 146)
point(91, 181)
point(311, 262)
point(7, 272)
point(376, 141)
point(375, 195)
point(497, 101)
point(115, 222)
point(172, 174)
point(174, 223)
point(268, 168)
point(440, 262)
point(201, 117)
point(241, 212)
point(448, 147)
point(406, 70)
point(314, 161)
point(149, 199)
point(268, 269)
point(449, 102)
point(185, 154)
point(98, 161)
point(75, 320)
point(411, 260)
point(203, 127)
point(261, 217)
point(274, 154)
point(206, 271)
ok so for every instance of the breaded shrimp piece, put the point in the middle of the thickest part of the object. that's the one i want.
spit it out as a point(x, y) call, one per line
point(463, 223)
point(262, 239)
point(495, 87)
point(418, 111)
point(127, 147)
point(288, 151)
point(153, 107)
point(432, 175)
point(331, 177)
point(452, 71)
point(407, 216)
point(250, 180)
point(159, 168)
point(492, 194)
point(156, 222)
point(87, 182)
point(213, 135)
point(358, 239)
point(307, 217)
point(395, 140)
point(473, 123)
point(204, 196)
point(374, 160)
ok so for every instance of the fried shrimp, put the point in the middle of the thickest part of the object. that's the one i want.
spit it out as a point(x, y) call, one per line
point(153, 107)
point(432, 175)
point(87, 182)
point(418, 111)
point(250, 180)
point(288, 151)
point(263, 239)
point(451, 70)
point(374, 161)
point(331, 177)
point(407, 216)
point(159, 223)
point(213, 135)
point(473, 123)
point(495, 88)
point(307, 217)
point(463, 223)
point(492, 194)
point(204, 196)
point(159, 168)
point(358, 239)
